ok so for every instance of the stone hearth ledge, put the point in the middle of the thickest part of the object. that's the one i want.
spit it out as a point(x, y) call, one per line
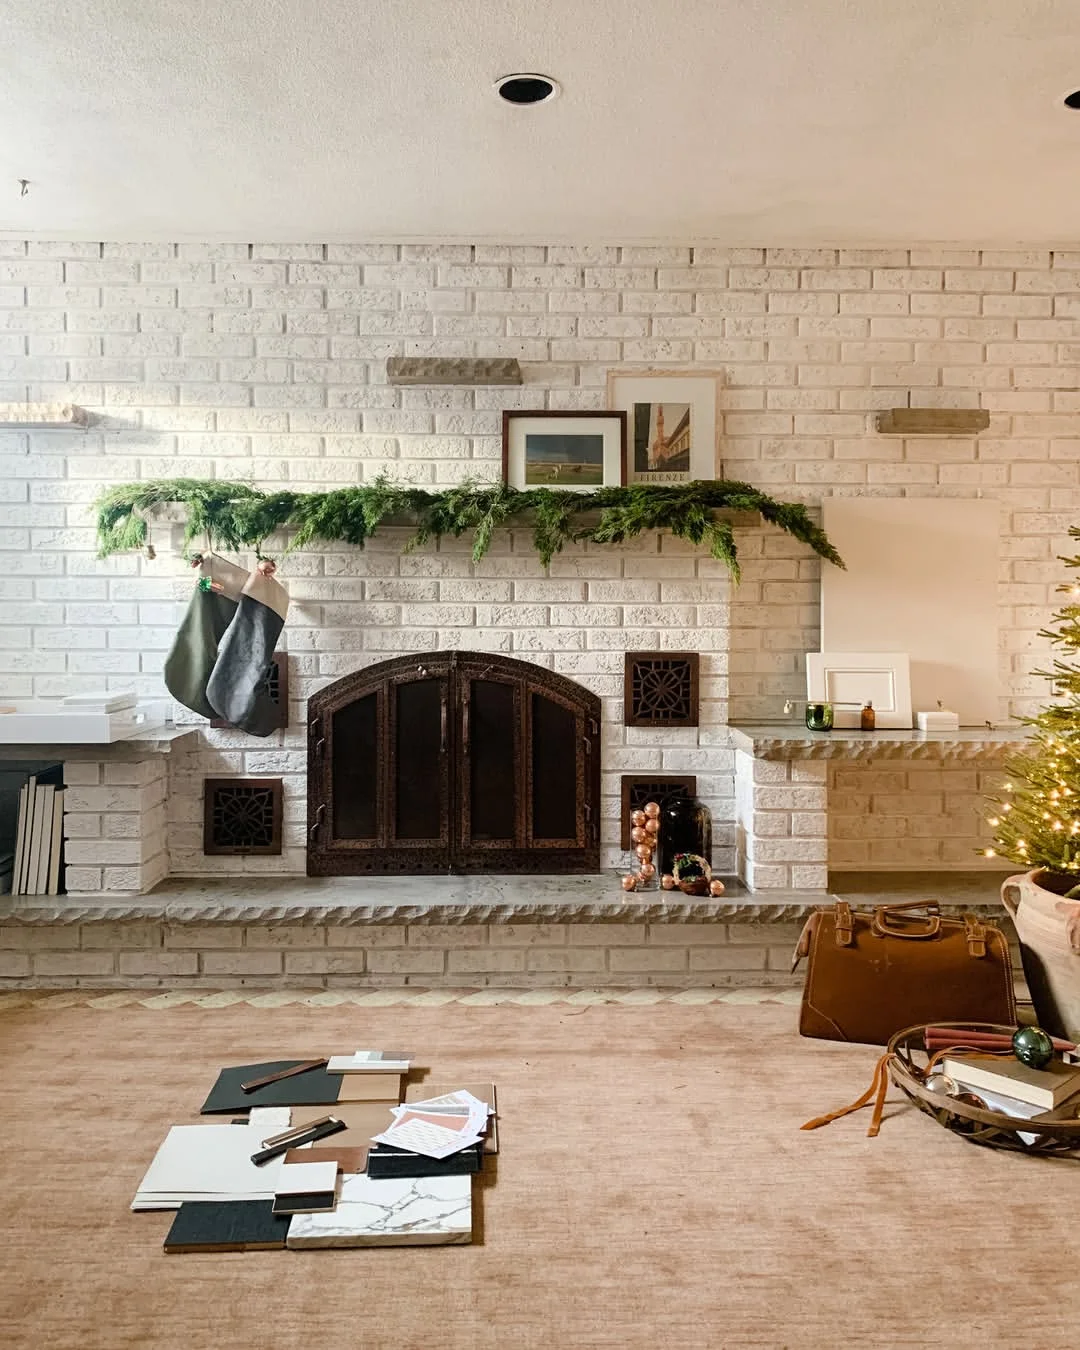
point(784, 741)
point(353, 901)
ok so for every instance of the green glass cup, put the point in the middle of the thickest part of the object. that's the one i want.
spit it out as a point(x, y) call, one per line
point(819, 717)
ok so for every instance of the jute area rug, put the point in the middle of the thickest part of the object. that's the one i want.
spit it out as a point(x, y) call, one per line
point(653, 1189)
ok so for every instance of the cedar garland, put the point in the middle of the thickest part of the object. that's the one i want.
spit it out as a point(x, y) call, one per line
point(235, 516)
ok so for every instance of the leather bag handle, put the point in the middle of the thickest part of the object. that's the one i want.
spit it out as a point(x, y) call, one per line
point(882, 926)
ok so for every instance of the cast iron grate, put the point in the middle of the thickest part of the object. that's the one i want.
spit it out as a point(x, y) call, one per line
point(242, 815)
point(277, 686)
point(661, 690)
point(636, 791)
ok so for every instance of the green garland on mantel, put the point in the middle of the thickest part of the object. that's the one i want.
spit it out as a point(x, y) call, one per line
point(235, 516)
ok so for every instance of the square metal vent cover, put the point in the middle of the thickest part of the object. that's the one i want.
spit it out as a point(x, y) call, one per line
point(637, 790)
point(661, 689)
point(242, 815)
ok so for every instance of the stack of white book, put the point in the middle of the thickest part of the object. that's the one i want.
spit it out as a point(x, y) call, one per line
point(39, 839)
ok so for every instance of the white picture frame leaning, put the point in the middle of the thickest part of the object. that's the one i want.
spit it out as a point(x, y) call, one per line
point(848, 679)
point(672, 414)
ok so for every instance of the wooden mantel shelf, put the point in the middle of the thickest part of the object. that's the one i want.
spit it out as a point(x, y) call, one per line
point(525, 519)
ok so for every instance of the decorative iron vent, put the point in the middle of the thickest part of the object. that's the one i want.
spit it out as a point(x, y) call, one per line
point(242, 815)
point(661, 689)
point(636, 791)
point(277, 685)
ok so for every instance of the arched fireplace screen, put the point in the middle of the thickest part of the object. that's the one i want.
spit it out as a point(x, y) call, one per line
point(453, 762)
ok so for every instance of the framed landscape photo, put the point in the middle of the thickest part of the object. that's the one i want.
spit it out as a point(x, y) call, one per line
point(672, 423)
point(572, 451)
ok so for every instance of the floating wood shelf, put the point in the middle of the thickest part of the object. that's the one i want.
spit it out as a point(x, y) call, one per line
point(452, 370)
point(42, 415)
point(932, 421)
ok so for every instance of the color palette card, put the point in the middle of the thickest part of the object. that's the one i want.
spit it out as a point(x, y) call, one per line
point(438, 1127)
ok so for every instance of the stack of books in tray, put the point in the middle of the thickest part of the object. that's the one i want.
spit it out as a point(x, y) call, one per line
point(1014, 1089)
point(338, 1151)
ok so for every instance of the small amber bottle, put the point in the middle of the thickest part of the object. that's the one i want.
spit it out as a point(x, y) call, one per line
point(867, 719)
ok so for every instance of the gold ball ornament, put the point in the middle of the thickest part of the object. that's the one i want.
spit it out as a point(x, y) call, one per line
point(638, 817)
point(629, 883)
point(638, 834)
point(716, 887)
point(652, 809)
point(648, 870)
point(644, 852)
point(667, 881)
point(652, 826)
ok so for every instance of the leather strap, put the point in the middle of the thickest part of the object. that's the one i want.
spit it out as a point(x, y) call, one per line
point(802, 947)
point(845, 935)
point(882, 926)
point(875, 1093)
point(976, 936)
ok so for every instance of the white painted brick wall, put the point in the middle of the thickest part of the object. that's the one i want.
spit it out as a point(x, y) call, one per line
point(153, 953)
point(266, 363)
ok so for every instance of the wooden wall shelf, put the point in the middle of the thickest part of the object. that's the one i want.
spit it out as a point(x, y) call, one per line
point(452, 370)
point(932, 421)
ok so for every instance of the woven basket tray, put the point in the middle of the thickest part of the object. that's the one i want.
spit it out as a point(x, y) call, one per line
point(907, 1066)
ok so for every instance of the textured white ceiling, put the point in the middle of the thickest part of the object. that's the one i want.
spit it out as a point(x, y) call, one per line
point(753, 121)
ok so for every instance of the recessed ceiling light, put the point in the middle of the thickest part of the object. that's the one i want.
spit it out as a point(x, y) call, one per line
point(522, 89)
point(1073, 100)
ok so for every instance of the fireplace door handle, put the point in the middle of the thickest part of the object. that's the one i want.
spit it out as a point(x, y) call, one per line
point(315, 726)
point(319, 813)
point(442, 723)
point(465, 710)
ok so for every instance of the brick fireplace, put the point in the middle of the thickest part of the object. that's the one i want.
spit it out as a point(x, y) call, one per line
point(266, 362)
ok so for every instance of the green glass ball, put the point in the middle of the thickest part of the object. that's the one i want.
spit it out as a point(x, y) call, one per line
point(1033, 1047)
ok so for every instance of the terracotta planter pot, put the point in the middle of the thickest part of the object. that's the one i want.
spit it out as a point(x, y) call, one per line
point(1048, 927)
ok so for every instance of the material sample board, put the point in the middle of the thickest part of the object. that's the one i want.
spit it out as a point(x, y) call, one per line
point(315, 1087)
point(420, 1211)
point(227, 1226)
point(921, 578)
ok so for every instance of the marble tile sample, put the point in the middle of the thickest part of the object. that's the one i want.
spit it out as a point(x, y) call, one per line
point(409, 1211)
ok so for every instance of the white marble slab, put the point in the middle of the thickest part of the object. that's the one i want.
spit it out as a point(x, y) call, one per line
point(405, 1212)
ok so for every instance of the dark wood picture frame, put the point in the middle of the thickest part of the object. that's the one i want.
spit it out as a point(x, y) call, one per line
point(511, 415)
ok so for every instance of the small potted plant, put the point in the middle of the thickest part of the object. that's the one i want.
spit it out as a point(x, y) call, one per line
point(1036, 823)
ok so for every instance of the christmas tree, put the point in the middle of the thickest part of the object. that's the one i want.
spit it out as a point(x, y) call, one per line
point(1036, 820)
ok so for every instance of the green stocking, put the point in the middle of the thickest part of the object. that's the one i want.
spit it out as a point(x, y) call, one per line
point(195, 647)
